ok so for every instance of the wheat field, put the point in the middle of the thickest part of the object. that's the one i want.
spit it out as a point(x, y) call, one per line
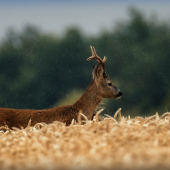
point(113, 143)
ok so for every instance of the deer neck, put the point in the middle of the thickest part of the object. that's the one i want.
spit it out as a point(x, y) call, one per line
point(89, 100)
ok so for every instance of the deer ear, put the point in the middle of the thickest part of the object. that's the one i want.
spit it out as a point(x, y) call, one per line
point(94, 71)
point(99, 70)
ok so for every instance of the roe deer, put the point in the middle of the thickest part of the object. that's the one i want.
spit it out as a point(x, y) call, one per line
point(100, 87)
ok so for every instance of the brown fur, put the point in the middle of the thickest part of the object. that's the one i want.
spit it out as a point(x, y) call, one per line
point(93, 95)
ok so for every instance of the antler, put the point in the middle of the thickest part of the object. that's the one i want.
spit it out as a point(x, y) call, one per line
point(98, 59)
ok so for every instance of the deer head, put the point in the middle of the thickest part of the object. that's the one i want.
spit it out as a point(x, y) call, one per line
point(103, 83)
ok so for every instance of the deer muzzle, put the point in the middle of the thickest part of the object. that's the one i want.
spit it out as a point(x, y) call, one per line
point(119, 94)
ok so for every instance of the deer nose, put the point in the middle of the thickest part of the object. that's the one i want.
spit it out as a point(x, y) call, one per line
point(119, 94)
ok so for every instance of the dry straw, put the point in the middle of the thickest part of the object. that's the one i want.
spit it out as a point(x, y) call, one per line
point(113, 143)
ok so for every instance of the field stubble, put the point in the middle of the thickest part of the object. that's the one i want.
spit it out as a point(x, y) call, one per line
point(113, 143)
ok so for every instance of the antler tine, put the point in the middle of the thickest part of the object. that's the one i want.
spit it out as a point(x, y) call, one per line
point(96, 57)
point(92, 50)
point(93, 55)
point(104, 59)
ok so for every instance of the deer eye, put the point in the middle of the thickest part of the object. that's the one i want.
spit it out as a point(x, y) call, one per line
point(109, 84)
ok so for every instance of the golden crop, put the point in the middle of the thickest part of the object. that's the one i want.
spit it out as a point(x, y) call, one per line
point(138, 143)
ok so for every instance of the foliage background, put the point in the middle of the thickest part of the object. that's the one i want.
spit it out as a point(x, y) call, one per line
point(40, 70)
